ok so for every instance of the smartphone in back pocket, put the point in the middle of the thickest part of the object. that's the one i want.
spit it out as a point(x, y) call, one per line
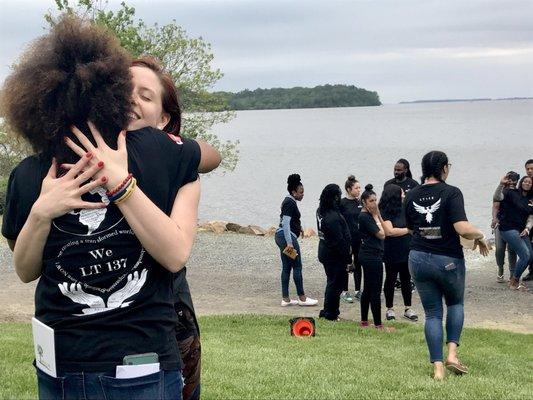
point(139, 359)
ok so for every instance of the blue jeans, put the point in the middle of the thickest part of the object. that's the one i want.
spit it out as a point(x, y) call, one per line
point(92, 386)
point(522, 247)
point(437, 277)
point(288, 264)
point(501, 247)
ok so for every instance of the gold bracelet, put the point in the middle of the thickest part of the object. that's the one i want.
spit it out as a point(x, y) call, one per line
point(128, 193)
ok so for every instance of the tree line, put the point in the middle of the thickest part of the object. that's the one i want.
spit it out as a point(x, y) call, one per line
point(299, 97)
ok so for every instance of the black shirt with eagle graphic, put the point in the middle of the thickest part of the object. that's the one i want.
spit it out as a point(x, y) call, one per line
point(430, 212)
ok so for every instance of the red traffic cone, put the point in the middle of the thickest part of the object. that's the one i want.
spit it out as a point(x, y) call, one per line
point(302, 326)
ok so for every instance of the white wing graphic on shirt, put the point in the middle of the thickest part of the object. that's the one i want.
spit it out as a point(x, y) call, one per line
point(428, 211)
point(96, 303)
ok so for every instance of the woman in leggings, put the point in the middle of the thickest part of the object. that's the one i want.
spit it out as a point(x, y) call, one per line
point(435, 215)
point(396, 252)
point(371, 257)
point(286, 238)
point(350, 209)
point(333, 248)
point(516, 223)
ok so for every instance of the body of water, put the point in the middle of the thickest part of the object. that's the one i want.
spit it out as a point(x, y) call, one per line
point(483, 141)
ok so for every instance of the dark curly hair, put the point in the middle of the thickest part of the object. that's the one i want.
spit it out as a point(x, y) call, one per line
point(390, 202)
point(293, 182)
point(75, 73)
point(329, 198)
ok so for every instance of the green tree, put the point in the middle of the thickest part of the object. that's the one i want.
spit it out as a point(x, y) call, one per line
point(187, 59)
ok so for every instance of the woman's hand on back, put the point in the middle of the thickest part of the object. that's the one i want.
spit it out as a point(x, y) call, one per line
point(61, 195)
point(115, 162)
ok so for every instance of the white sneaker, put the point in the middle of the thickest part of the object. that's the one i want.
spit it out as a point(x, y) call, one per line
point(390, 314)
point(308, 302)
point(288, 303)
point(410, 315)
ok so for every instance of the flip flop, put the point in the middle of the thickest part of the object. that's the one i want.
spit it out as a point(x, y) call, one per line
point(457, 368)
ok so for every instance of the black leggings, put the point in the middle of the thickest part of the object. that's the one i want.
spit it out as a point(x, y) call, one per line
point(357, 274)
point(373, 281)
point(392, 270)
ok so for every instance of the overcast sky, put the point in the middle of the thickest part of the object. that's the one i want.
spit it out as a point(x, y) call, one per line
point(404, 50)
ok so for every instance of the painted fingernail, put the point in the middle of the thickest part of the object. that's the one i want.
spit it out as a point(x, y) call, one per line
point(89, 154)
point(101, 164)
point(104, 179)
point(65, 139)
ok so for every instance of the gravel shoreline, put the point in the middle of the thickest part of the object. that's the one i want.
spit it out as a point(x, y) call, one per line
point(233, 273)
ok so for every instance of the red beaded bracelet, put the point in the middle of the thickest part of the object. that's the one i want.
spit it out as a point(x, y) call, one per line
point(119, 187)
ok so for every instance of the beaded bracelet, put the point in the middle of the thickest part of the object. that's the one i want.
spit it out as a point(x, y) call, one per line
point(119, 187)
point(121, 193)
point(129, 192)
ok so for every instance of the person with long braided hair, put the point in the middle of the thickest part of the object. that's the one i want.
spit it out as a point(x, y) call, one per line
point(435, 214)
point(333, 248)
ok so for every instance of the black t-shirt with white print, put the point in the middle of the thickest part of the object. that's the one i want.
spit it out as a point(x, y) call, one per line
point(406, 185)
point(101, 292)
point(430, 212)
point(289, 208)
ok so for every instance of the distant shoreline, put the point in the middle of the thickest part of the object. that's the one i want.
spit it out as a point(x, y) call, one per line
point(464, 100)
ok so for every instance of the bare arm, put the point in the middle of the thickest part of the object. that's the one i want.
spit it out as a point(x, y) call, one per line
point(58, 196)
point(467, 230)
point(495, 211)
point(168, 239)
point(379, 223)
point(210, 157)
point(391, 231)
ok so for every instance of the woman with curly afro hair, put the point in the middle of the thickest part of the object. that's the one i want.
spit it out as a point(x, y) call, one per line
point(104, 219)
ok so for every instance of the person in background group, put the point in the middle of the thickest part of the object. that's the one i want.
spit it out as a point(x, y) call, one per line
point(371, 258)
point(402, 176)
point(396, 254)
point(350, 209)
point(516, 222)
point(333, 248)
point(529, 172)
point(286, 236)
point(435, 215)
point(500, 244)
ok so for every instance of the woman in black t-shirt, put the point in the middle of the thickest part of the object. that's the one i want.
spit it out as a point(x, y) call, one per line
point(104, 258)
point(516, 223)
point(350, 209)
point(396, 252)
point(333, 248)
point(371, 257)
point(286, 238)
point(435, 215)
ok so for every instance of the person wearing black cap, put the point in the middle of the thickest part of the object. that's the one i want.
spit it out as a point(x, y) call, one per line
point(333, 248)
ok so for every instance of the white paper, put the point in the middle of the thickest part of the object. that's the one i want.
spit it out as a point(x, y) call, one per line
point(136, 371)
point(44, 345)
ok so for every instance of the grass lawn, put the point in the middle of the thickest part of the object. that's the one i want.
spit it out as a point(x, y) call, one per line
point(254, 357)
